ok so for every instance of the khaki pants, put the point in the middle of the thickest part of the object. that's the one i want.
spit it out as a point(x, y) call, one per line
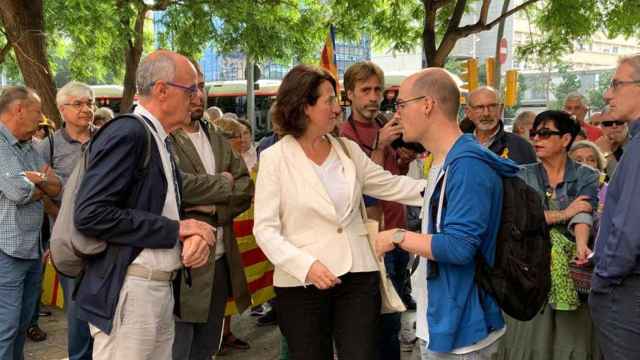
point(143, 323)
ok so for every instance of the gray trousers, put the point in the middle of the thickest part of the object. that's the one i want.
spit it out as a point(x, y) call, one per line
point(199, 341)
point(143, 324)
point(616, 316)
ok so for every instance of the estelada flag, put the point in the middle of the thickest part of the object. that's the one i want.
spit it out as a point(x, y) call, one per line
point(328, 56)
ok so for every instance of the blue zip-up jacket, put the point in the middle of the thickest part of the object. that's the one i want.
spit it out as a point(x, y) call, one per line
point(617, 253)
point(459, 313)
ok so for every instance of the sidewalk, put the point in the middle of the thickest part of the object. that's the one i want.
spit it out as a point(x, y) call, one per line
point(265, 341)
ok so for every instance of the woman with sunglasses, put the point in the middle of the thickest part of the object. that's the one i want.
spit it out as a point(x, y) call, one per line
point(563, 329)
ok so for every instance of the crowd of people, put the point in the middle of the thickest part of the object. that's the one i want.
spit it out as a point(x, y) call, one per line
point(201, 223)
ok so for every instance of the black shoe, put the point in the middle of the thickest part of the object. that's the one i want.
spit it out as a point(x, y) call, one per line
point(267, 319)
point(35, 334)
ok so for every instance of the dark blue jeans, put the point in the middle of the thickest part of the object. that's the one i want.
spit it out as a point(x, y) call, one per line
point(616, 316)
point(19, 293)
point(80, 342)
point(395, 262)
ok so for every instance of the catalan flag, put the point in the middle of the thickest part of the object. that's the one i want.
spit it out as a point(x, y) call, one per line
point(257, 268)
point(328, 56)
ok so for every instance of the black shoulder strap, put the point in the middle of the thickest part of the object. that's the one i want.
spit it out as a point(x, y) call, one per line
point(50, 137)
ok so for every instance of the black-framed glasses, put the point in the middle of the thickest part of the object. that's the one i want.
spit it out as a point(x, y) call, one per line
point(616, 84)
point(400, 104)
point(543, 133)
point(609, 123)
point(79, 105)
point(489, 107)
point(191, 91)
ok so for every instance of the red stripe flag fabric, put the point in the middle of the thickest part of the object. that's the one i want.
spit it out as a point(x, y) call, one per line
point(328, 56)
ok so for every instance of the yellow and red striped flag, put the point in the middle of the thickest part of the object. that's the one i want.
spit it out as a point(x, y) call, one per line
point(328, 56)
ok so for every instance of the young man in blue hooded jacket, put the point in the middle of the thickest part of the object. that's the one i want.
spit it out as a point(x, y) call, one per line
point(461, 217)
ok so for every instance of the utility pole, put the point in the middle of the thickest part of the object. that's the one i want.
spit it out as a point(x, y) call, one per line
point(251, 98)
point(498, 66)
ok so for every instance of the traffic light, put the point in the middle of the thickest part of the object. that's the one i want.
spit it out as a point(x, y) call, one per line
point(511, 88)
point(490, 67)
point(471, 75)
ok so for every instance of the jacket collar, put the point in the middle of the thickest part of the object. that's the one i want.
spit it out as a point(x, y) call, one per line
point(570, 173)
point(293, 154)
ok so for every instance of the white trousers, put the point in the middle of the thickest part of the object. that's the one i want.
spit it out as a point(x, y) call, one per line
point(143, 323)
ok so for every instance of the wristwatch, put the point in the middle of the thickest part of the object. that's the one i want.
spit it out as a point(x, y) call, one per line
point(398, 237)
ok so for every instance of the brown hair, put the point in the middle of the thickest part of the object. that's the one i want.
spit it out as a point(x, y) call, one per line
point(361, 71)
point(298, 89)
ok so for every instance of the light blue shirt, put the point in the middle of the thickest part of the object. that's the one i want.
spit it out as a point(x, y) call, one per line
point(20, 217)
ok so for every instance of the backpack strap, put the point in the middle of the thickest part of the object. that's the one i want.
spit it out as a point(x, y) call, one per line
point(441, 201)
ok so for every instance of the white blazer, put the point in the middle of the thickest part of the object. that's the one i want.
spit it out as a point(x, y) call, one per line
point(295, 221)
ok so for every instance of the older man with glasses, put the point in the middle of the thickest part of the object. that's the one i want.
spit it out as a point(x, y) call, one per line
point(615, 287)
point(484, 110)
point(61, 152)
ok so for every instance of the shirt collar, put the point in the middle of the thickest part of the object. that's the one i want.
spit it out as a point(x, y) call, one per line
point(8, 135)
point(140, 110)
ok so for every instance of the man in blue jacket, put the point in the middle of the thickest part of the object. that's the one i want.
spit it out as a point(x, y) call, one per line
point(461, 212)
point(615, 287)
point(126, 293)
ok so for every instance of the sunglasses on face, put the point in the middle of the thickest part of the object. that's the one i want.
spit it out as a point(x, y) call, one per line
point(543, 133)
point(612, 123)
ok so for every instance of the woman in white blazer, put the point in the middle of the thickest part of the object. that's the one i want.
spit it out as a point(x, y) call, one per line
point(308, 223)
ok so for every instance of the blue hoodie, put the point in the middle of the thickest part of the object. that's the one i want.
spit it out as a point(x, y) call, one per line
point(459, 314)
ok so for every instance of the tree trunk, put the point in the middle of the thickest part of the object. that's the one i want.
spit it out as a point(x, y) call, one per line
point(132, 54)
point(429, 32)
point(24, 25)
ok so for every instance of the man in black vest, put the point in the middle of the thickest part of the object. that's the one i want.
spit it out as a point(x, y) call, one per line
point(483, 109)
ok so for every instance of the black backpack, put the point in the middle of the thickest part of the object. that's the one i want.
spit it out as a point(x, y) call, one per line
point(520, 279)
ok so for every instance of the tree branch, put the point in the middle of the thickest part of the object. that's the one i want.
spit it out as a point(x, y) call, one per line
point(5, 50)
point(479, 26)
point(161, 5)
point(457, 16)
point(484, 11)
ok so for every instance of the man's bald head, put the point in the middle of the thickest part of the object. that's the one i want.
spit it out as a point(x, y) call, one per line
point(159, 65)
point(482, 90)
point(439, 84)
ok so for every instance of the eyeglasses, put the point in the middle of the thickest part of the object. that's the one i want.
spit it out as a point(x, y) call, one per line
point(191, 91)
point(543, 133)
point(79, 105)
point(481, 108)
point(610, 123)
point(400, 104)
point(616, 84)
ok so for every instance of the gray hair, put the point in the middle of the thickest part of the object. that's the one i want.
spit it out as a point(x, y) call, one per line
point(104, 113)
point(523, 118)
point(12, 94)
point(634, 62)
point(75, 89)
point(576, 96)
point(214, 113)
point(585, 144)
point(154, 67)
